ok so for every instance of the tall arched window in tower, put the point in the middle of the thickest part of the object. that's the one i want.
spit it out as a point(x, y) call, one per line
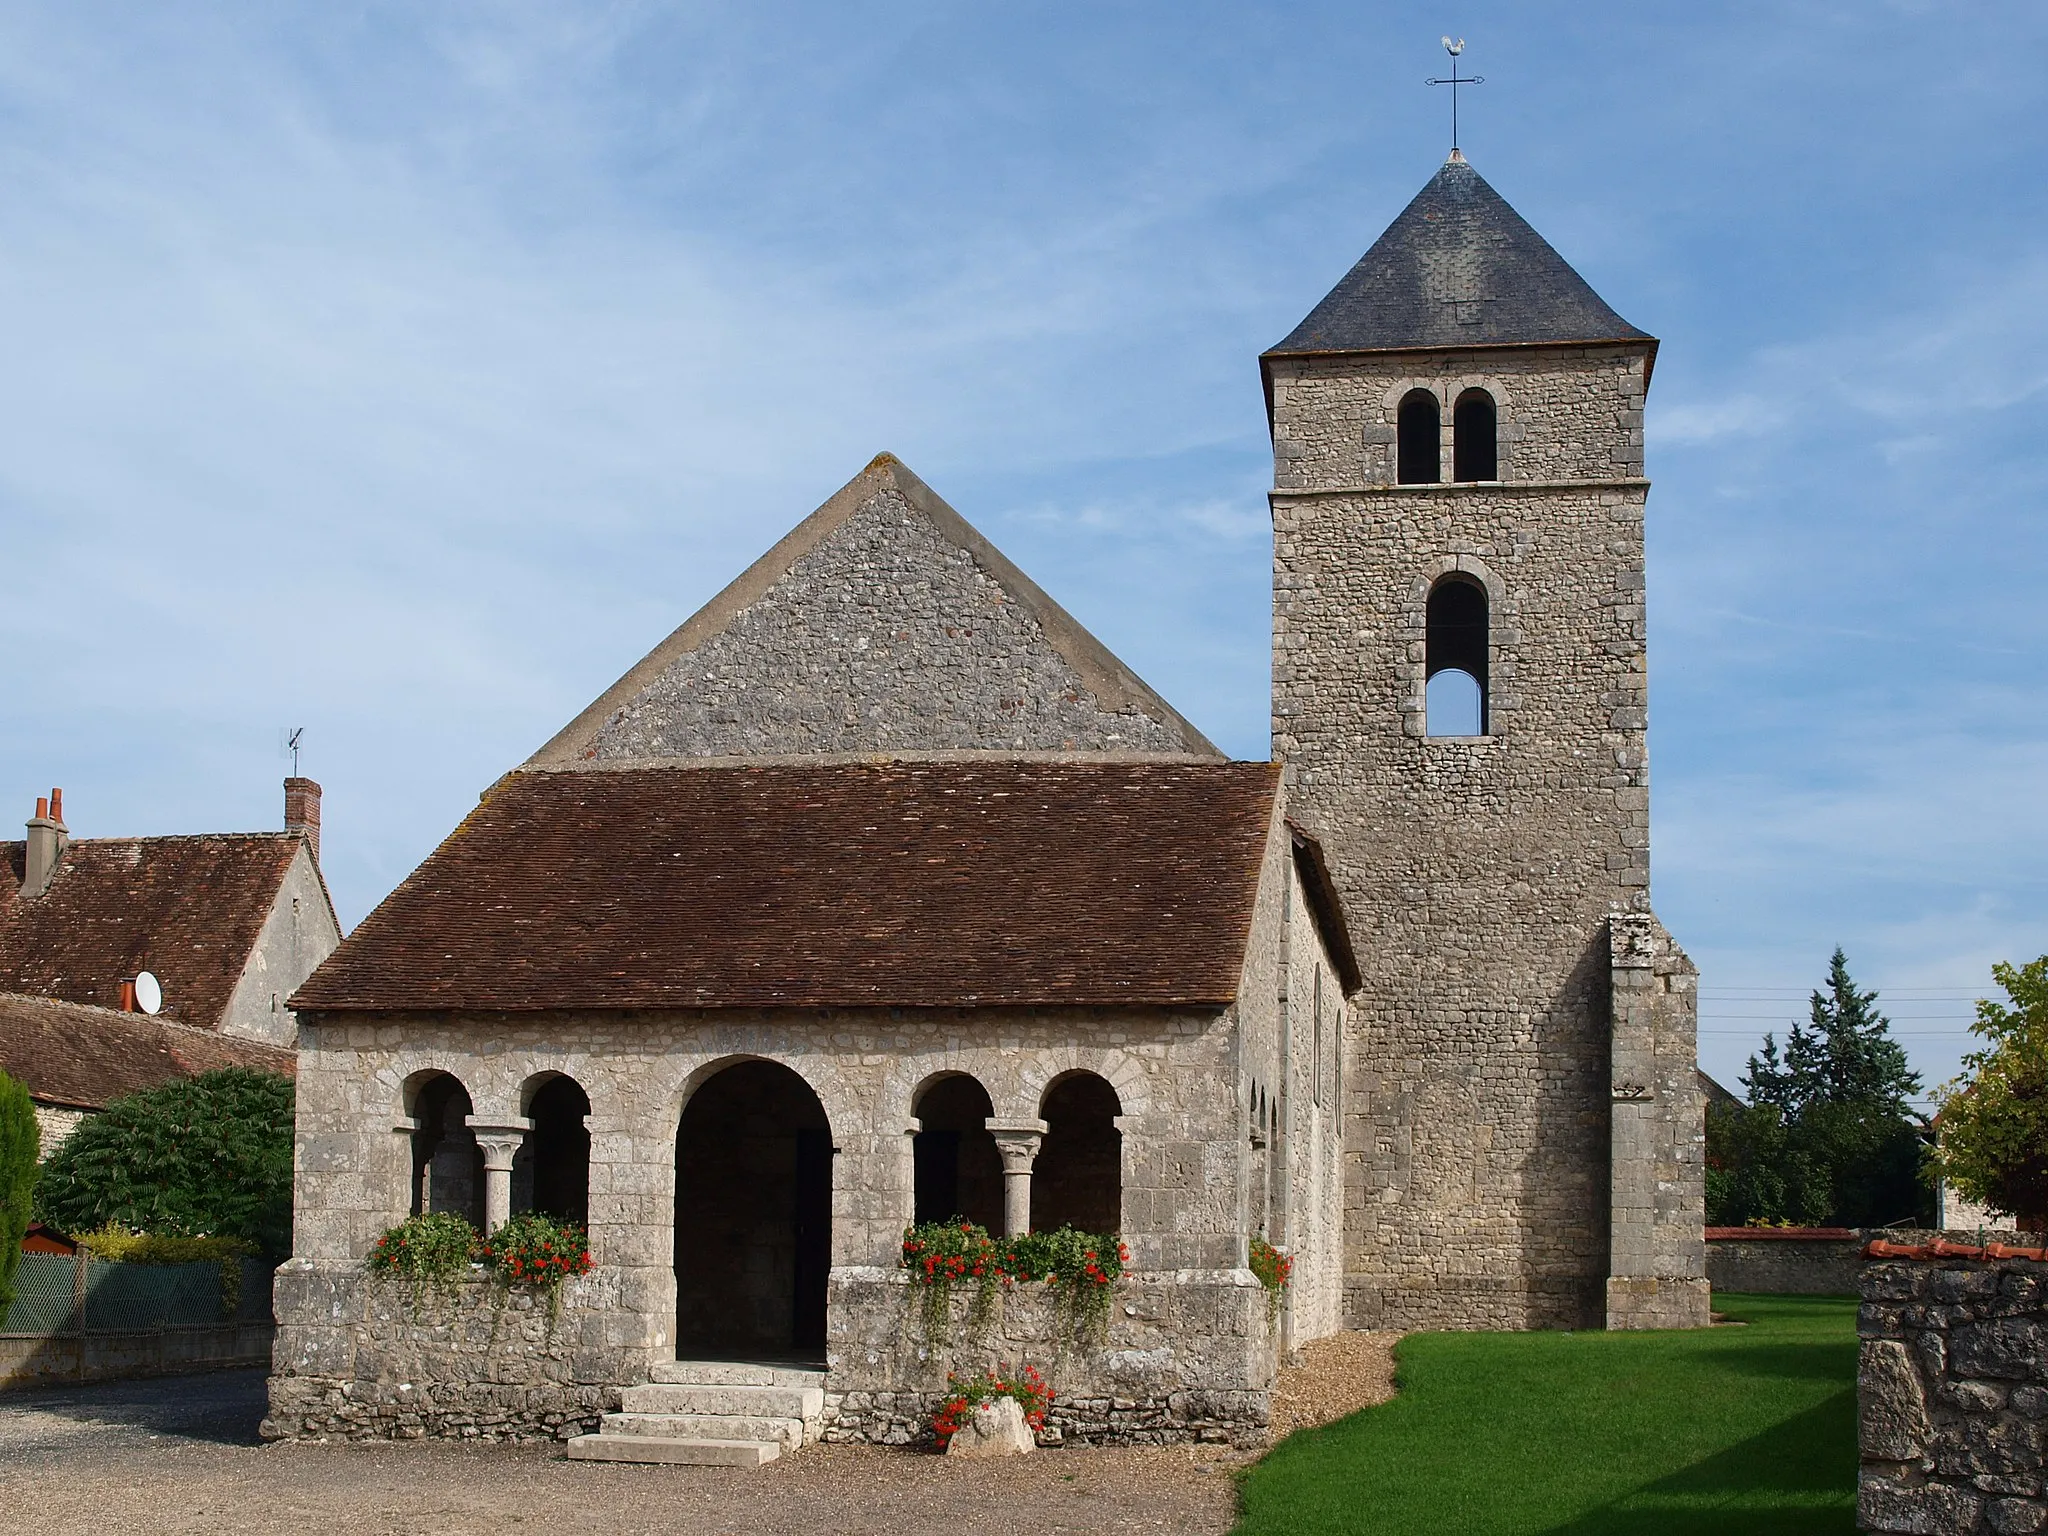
point(1475, 453)
point(1455, 673)
point(1421, 439)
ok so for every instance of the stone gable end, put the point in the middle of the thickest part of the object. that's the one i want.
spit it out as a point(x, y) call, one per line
point(885, 637)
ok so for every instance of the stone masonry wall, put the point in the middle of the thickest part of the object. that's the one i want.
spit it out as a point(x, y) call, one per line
point(1175, 1075)
point(1657, 1164)
point(1478, 874)
point(886, 637)
point(1187, 1356)
point(1952, 1392)
point(1823, 1261)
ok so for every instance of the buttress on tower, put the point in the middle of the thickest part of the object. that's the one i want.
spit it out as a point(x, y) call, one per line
point(1460, 695)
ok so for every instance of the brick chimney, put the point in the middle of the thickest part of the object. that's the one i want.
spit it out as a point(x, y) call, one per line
point(47, 838)
point(302, 811)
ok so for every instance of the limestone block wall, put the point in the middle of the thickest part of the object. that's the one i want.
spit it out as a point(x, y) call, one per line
point(1309, 1221)
point(1175, 1075)
point(1657, 1159)
point(1478, 873)
point(1563, 413)
point(1952, 1392)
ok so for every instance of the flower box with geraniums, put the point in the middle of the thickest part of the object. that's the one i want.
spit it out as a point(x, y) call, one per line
point(1027, 1387)
point(1078, 1269)
point(437, 1251)
point(1273, 1269)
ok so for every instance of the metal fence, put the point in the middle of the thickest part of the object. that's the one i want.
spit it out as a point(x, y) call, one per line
point(57, 1293)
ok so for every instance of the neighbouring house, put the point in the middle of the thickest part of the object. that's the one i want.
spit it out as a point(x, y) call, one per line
point(881, 890)
point(76, 1058)
point(227, 923)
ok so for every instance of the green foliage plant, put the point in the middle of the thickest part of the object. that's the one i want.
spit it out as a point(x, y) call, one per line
point(429, 1253)
point(1992, 1142)
point(537, 1252)
point(113, 1244)
point(1080, 1268)
point(1272, 1269)
point(1829, 1136)
point(204, 1156)
point(1027, 1387)
point(20, 1146)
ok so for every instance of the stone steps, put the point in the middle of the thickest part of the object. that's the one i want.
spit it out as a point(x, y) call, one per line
point(710, 1413)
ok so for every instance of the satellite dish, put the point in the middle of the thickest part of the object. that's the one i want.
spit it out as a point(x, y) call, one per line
point(149, 993)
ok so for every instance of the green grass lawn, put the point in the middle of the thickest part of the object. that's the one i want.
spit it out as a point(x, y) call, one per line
point(1749, 1430)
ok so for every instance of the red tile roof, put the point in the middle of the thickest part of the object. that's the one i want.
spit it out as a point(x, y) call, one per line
point(82, 1057)
point(187, 909)
point(910, 884)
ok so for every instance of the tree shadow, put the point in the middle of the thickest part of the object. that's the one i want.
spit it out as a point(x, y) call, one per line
point(1799, 1460)
point(1824, 1361)
point(223, 1407)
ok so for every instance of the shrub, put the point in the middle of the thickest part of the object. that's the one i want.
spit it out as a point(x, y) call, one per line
point(210, 1155)
point(20, 1144)
point(1993, 1141)
point(1029, 1389)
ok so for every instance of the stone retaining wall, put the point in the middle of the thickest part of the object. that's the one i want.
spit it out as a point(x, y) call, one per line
point(1785, 1261)
point(363, 1359)
point(1952, 1388)
point(1187, 1356)
point(54, 1359)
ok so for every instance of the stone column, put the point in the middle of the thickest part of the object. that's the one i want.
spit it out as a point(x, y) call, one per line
point(1018, 1142)
point(500, 1143)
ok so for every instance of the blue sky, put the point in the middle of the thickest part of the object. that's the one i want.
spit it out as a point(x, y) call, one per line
point(404, 372)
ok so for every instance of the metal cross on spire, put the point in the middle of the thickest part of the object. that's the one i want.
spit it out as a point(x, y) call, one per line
point(1456, 80)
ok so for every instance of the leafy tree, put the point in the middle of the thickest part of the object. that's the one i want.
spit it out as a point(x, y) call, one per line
point(1828, 1135)
point(1993, 1145)
point(210, 1155)
point(21, 1142)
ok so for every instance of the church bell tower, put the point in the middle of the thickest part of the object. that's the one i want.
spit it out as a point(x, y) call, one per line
point(1460, 696)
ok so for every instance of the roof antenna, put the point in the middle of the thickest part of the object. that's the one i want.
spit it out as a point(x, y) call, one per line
point(291, 745)
point(1456, 80)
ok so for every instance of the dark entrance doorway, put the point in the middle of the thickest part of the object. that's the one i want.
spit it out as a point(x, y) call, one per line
point(753, 1217)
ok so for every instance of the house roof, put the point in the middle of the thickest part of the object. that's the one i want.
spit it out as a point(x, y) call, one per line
point(953, 883)
point(82, 1057)
point(1458, 268)
point(187, 909)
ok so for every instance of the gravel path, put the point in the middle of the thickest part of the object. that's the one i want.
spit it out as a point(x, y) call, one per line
point(180, 1454)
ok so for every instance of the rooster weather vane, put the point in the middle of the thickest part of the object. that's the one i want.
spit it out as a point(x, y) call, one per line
point(1454, 81)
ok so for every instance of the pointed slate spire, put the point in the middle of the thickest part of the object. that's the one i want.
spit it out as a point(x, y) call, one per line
point(1458, 268)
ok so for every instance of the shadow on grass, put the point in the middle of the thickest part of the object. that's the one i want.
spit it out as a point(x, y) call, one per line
point(1791, 1478)
point(1827, 1361)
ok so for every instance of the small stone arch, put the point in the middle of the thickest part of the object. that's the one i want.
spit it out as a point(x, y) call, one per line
point(1077, 1177)
point(1124, 1072)
point(447, 1165)
point(1418, 438)
point(1503, 643)
point(551, 1170)
point(957, 1170)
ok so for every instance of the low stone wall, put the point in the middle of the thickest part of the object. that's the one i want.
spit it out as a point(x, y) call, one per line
point(1952, 1387)
point(362, 1359)
point(1187, 1355)
point(1785, 1261)
point(53, 1359)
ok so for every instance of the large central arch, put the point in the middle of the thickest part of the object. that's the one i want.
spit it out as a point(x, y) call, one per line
point(753, 1217)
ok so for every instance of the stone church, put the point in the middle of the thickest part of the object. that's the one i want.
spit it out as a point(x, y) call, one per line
point(882, 891)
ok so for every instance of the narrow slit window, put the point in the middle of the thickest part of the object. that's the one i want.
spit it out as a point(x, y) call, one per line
point(1475, 452)
point(1455, 681)
point(1421, 439)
